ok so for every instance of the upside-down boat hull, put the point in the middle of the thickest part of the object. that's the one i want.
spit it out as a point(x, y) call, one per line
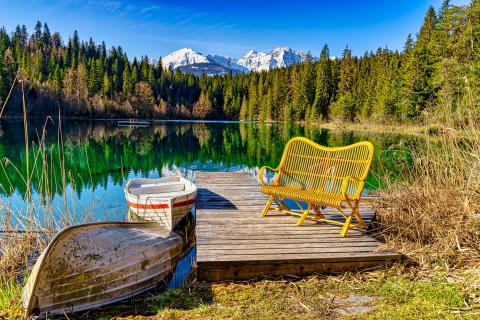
point(165, 201)
point(92, 265)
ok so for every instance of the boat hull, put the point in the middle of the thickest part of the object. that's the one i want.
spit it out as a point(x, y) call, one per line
point(92, 265)
point(166, 208)
point(163, 212)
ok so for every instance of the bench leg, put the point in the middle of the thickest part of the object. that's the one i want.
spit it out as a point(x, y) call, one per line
point(357, 215)
point(267, 206)
point(304, 215)
point(282, 204)
point(318, 213)
point(346, 226)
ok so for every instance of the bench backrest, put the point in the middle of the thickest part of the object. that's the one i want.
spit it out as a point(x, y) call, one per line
point(310, 166)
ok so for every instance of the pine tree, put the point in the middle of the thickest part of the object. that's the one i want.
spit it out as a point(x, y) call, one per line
point(323, 87)
point(244, 109)
point(252, 100)
point(75, 49)
point(37, 35)
point(107, 85)
point(345, 107)
point(345, 84)
point(436, 75)
point(294, 102)
point(134, 76)
point(424, 90)
point(46, 36)
point(127, 81)
point(306, 92)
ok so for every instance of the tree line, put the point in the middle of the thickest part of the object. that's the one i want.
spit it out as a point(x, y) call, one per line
point(435, 78)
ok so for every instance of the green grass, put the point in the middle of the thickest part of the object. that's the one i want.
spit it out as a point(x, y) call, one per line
point(395, 296)
point(10, 299)
point(403, 298)
point(396, 293)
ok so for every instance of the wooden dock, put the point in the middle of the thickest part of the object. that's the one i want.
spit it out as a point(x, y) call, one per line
point(235, 243)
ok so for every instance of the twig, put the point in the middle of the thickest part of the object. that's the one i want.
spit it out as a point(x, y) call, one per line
point(301, 303)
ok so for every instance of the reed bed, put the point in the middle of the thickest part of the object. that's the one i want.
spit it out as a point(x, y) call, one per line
point(27, 226)
point(431, 212)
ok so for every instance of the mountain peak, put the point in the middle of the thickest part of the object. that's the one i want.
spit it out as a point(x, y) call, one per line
point(189, 60)
point(283, 49)
point(185, 50)
point(276, 58)
point(183, 57)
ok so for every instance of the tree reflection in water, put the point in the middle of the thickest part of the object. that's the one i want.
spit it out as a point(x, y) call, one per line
point(99, 156)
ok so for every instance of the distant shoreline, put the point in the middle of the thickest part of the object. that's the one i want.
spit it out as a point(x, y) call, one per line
point(430, 129)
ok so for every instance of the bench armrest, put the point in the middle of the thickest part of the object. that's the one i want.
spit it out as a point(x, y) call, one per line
point(345, 182)
point(261, 171)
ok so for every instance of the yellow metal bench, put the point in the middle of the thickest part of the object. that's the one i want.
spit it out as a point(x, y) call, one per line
point(320, 176)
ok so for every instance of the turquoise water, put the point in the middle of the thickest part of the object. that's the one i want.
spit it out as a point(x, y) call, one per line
point(99, 157)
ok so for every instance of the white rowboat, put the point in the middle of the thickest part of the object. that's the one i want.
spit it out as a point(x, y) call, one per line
point(92, 265)
point(165, 200)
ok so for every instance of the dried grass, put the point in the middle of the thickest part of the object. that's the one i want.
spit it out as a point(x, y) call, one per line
point(431, 212)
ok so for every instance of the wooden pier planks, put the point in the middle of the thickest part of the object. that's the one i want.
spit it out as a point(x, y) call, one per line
point(235, 243)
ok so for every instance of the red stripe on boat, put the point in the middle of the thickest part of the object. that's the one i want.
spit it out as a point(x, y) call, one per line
point(160, 205)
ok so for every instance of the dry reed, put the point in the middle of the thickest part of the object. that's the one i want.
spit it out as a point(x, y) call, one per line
point(431, 212)
point(35, 218)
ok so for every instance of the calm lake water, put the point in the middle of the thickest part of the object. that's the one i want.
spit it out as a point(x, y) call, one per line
point(99, 157)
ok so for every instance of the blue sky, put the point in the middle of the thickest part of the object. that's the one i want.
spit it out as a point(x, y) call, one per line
point(230, 28)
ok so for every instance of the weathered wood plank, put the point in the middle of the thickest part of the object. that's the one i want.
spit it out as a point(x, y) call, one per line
point(283, 241)
point(240, 247)
point(294, 257)
point(236, 272)
point(235, 243)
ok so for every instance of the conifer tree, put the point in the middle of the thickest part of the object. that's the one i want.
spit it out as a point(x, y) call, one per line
point(107, 85)
point(75, 49)
point(436, 77)
point(127, 81)
point(323, 87)
point(134, 76)
point(424, 90)
point(244, 109)
point(252, 100)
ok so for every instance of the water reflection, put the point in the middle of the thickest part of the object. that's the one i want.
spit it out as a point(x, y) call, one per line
point(82, 176)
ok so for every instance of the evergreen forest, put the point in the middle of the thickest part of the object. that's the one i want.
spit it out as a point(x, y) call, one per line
point(434, 79)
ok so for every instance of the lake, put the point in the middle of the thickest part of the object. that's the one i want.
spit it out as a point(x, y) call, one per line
point(78, 169)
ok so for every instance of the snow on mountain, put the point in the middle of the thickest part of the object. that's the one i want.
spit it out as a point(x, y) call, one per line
point(183, 57)
point(277, 58)
point(227, 62)
point(189, 60)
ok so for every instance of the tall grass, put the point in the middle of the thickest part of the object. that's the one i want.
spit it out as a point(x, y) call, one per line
point(431, 212)
point(35, 218)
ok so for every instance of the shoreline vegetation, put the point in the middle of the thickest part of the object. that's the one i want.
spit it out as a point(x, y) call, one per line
point(372, 127)
point(431, 214)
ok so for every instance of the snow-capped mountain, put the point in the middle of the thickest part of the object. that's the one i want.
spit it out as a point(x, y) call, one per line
point(189, 60)
point(277, 58)
point(228, 62)
point(183, 57)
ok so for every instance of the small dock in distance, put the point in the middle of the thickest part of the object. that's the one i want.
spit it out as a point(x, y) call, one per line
point(235, 243)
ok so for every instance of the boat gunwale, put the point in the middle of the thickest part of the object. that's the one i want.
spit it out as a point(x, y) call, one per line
point(185, 193)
